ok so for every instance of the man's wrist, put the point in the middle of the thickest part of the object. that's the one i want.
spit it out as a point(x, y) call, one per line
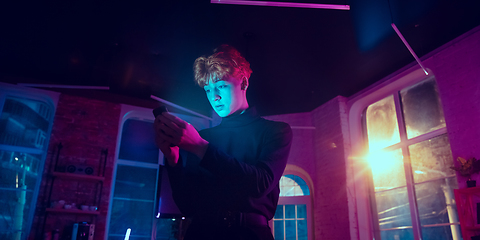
point(201, 149)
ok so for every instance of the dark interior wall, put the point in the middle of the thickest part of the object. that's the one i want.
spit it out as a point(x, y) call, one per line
point(84, 127)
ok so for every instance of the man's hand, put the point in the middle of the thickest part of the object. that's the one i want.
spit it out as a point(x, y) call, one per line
point(181, 134)
point(170, 151)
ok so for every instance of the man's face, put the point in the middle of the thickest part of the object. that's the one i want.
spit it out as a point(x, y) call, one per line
point(226, 96)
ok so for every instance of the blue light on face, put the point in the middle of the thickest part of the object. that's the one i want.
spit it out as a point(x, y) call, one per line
point(225, 97)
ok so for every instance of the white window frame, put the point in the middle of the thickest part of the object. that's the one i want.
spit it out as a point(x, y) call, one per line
point(143, 114)
point(138, 113)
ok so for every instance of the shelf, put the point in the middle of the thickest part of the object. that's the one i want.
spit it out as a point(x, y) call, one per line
point(73, 211)
point(77, 176)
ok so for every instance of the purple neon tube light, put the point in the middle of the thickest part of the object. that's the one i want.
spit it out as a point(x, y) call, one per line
point(282, 4)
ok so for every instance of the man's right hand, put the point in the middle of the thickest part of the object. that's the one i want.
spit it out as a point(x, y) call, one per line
point(170, 152)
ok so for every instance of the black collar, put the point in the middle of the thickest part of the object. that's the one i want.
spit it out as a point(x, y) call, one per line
point(245, 118)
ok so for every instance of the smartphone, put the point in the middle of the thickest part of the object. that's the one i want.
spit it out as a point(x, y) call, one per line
point(159, 110)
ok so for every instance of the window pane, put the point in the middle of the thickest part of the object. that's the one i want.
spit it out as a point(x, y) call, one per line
point(302, 230)
point(135, 183)
point(131, 214)
point(422, 108)
point(289, 211)
point(290, 230)
point(441, 233)
point(279, 212)
point(24, 123)
point(278, 226)
point(14, 214)
point(382, 125)
point(138, 142)
point(387, 169)
point(393, 208)
point(292, 185)
point(431, 159)
point(401, 234)
point(19, 169)
point(435, 201)
point(302, 211)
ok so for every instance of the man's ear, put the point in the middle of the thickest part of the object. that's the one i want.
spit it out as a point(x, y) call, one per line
point(244, 84)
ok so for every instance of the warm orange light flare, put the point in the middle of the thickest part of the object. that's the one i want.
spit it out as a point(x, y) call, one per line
point(381, 161)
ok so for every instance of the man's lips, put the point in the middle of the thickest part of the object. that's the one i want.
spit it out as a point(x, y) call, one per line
point(219, 107)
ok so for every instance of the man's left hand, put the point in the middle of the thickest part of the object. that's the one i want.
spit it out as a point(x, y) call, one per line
point(183, 134)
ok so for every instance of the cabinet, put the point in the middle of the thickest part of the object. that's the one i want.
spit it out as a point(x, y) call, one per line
point(468, 206)
point(74, 193)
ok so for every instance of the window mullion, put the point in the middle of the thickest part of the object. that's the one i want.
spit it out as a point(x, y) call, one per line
point(417, 231)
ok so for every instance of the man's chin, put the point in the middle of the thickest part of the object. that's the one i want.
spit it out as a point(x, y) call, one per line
point(222, 113)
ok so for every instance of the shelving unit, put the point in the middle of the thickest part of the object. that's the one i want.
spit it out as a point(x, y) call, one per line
point(57, 173)
point(468, 206)
point(73, 211)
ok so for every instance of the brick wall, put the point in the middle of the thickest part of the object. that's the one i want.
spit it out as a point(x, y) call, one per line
point(331, 139)
point(321, 152)
point(301, 153)
point(84, 127)
point(457, 70)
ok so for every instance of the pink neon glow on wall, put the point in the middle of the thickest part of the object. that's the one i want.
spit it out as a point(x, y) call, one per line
point(282, 4)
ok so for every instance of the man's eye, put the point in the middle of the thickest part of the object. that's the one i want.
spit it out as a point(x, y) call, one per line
point(207, 90)
point(222, 86)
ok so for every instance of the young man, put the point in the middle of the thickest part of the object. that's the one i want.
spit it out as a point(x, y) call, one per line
point(226, 179)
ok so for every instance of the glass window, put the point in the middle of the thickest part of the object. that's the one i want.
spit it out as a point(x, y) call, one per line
point(291, 219)
point(24, 124)
point(410, 159)
point(422, 109)
point(292, 185)
point(134, 200)
point(431, 159)
point(387, 169)
point(136, 178)
point(382, 125)
point(138, 142)
point(290, 222)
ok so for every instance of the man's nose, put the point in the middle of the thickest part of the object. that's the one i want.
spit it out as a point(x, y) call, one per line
point(216, 97)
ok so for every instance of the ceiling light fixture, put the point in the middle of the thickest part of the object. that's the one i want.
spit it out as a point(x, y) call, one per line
point(283, 4)
point(409, 48)
point(63, 86)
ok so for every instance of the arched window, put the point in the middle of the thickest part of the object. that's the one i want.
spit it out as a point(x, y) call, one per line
point(293, 217)
point(401, 172)
point(138, 176)
point(26, 118)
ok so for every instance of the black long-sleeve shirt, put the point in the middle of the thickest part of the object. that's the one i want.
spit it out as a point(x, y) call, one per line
point(240, 171)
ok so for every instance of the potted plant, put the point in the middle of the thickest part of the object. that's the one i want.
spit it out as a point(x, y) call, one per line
point(467, 168)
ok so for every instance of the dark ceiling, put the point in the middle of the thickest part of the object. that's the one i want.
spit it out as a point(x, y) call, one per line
point(300, 58)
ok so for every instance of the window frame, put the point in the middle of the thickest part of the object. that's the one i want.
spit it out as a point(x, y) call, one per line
point(128, 112)
point(137, 113)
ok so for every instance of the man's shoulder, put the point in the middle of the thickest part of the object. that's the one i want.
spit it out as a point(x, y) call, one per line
point(275, 124)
